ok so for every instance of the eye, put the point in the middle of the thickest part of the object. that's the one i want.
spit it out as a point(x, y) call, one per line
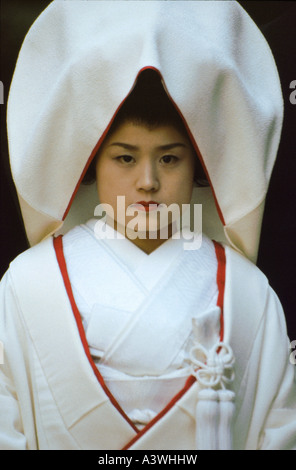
point(169, 159)
point(125, 159)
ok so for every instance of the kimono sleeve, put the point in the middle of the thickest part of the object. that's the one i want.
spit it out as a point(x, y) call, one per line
point(16, 417)
point(274, 410)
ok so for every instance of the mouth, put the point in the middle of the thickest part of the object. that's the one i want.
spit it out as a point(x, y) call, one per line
point(146, 206)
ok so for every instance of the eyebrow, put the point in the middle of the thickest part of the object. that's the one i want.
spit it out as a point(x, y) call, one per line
point(160, 147)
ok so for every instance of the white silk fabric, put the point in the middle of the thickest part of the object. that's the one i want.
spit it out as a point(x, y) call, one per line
point(139, 312)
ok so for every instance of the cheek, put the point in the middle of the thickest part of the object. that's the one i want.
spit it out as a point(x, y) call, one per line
point(183, 185)
point(104, 183)
point(188, 180)
point(109, 185)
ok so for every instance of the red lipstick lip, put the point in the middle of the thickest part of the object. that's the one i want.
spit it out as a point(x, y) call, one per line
point(146, 205)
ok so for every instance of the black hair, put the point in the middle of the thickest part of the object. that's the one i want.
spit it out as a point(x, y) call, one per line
point(148, 105)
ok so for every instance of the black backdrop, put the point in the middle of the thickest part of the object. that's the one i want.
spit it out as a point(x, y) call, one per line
point(277, 254)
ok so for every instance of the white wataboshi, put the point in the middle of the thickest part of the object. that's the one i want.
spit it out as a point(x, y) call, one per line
point(228, 353)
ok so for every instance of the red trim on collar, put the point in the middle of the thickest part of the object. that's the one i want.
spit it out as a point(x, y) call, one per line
point(221, 272)
point(221, 276)
point(58, 246)
point(190, 381)
point(221, 258)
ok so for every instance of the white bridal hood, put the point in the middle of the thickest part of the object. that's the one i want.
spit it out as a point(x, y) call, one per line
point(78, 63)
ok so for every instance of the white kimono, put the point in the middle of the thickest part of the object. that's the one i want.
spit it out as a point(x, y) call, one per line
point(227, 352)
point(139, 310)
point(53, 397)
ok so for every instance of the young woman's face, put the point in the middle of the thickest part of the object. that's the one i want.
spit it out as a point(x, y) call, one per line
point(145, 166)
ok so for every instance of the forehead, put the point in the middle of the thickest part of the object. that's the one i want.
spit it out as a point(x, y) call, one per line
point(140, 135)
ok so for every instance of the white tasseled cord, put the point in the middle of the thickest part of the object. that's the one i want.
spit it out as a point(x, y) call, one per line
point(215, 405)
point(206, 416)
point(227, 408)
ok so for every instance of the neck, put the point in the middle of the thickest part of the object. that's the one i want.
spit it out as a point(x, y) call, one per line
point(148, 245)
point(146, 242)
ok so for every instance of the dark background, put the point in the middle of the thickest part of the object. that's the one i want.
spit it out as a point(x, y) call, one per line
point(277, 253)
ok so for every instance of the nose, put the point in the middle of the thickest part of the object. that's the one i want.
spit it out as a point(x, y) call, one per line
point(148, 178)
